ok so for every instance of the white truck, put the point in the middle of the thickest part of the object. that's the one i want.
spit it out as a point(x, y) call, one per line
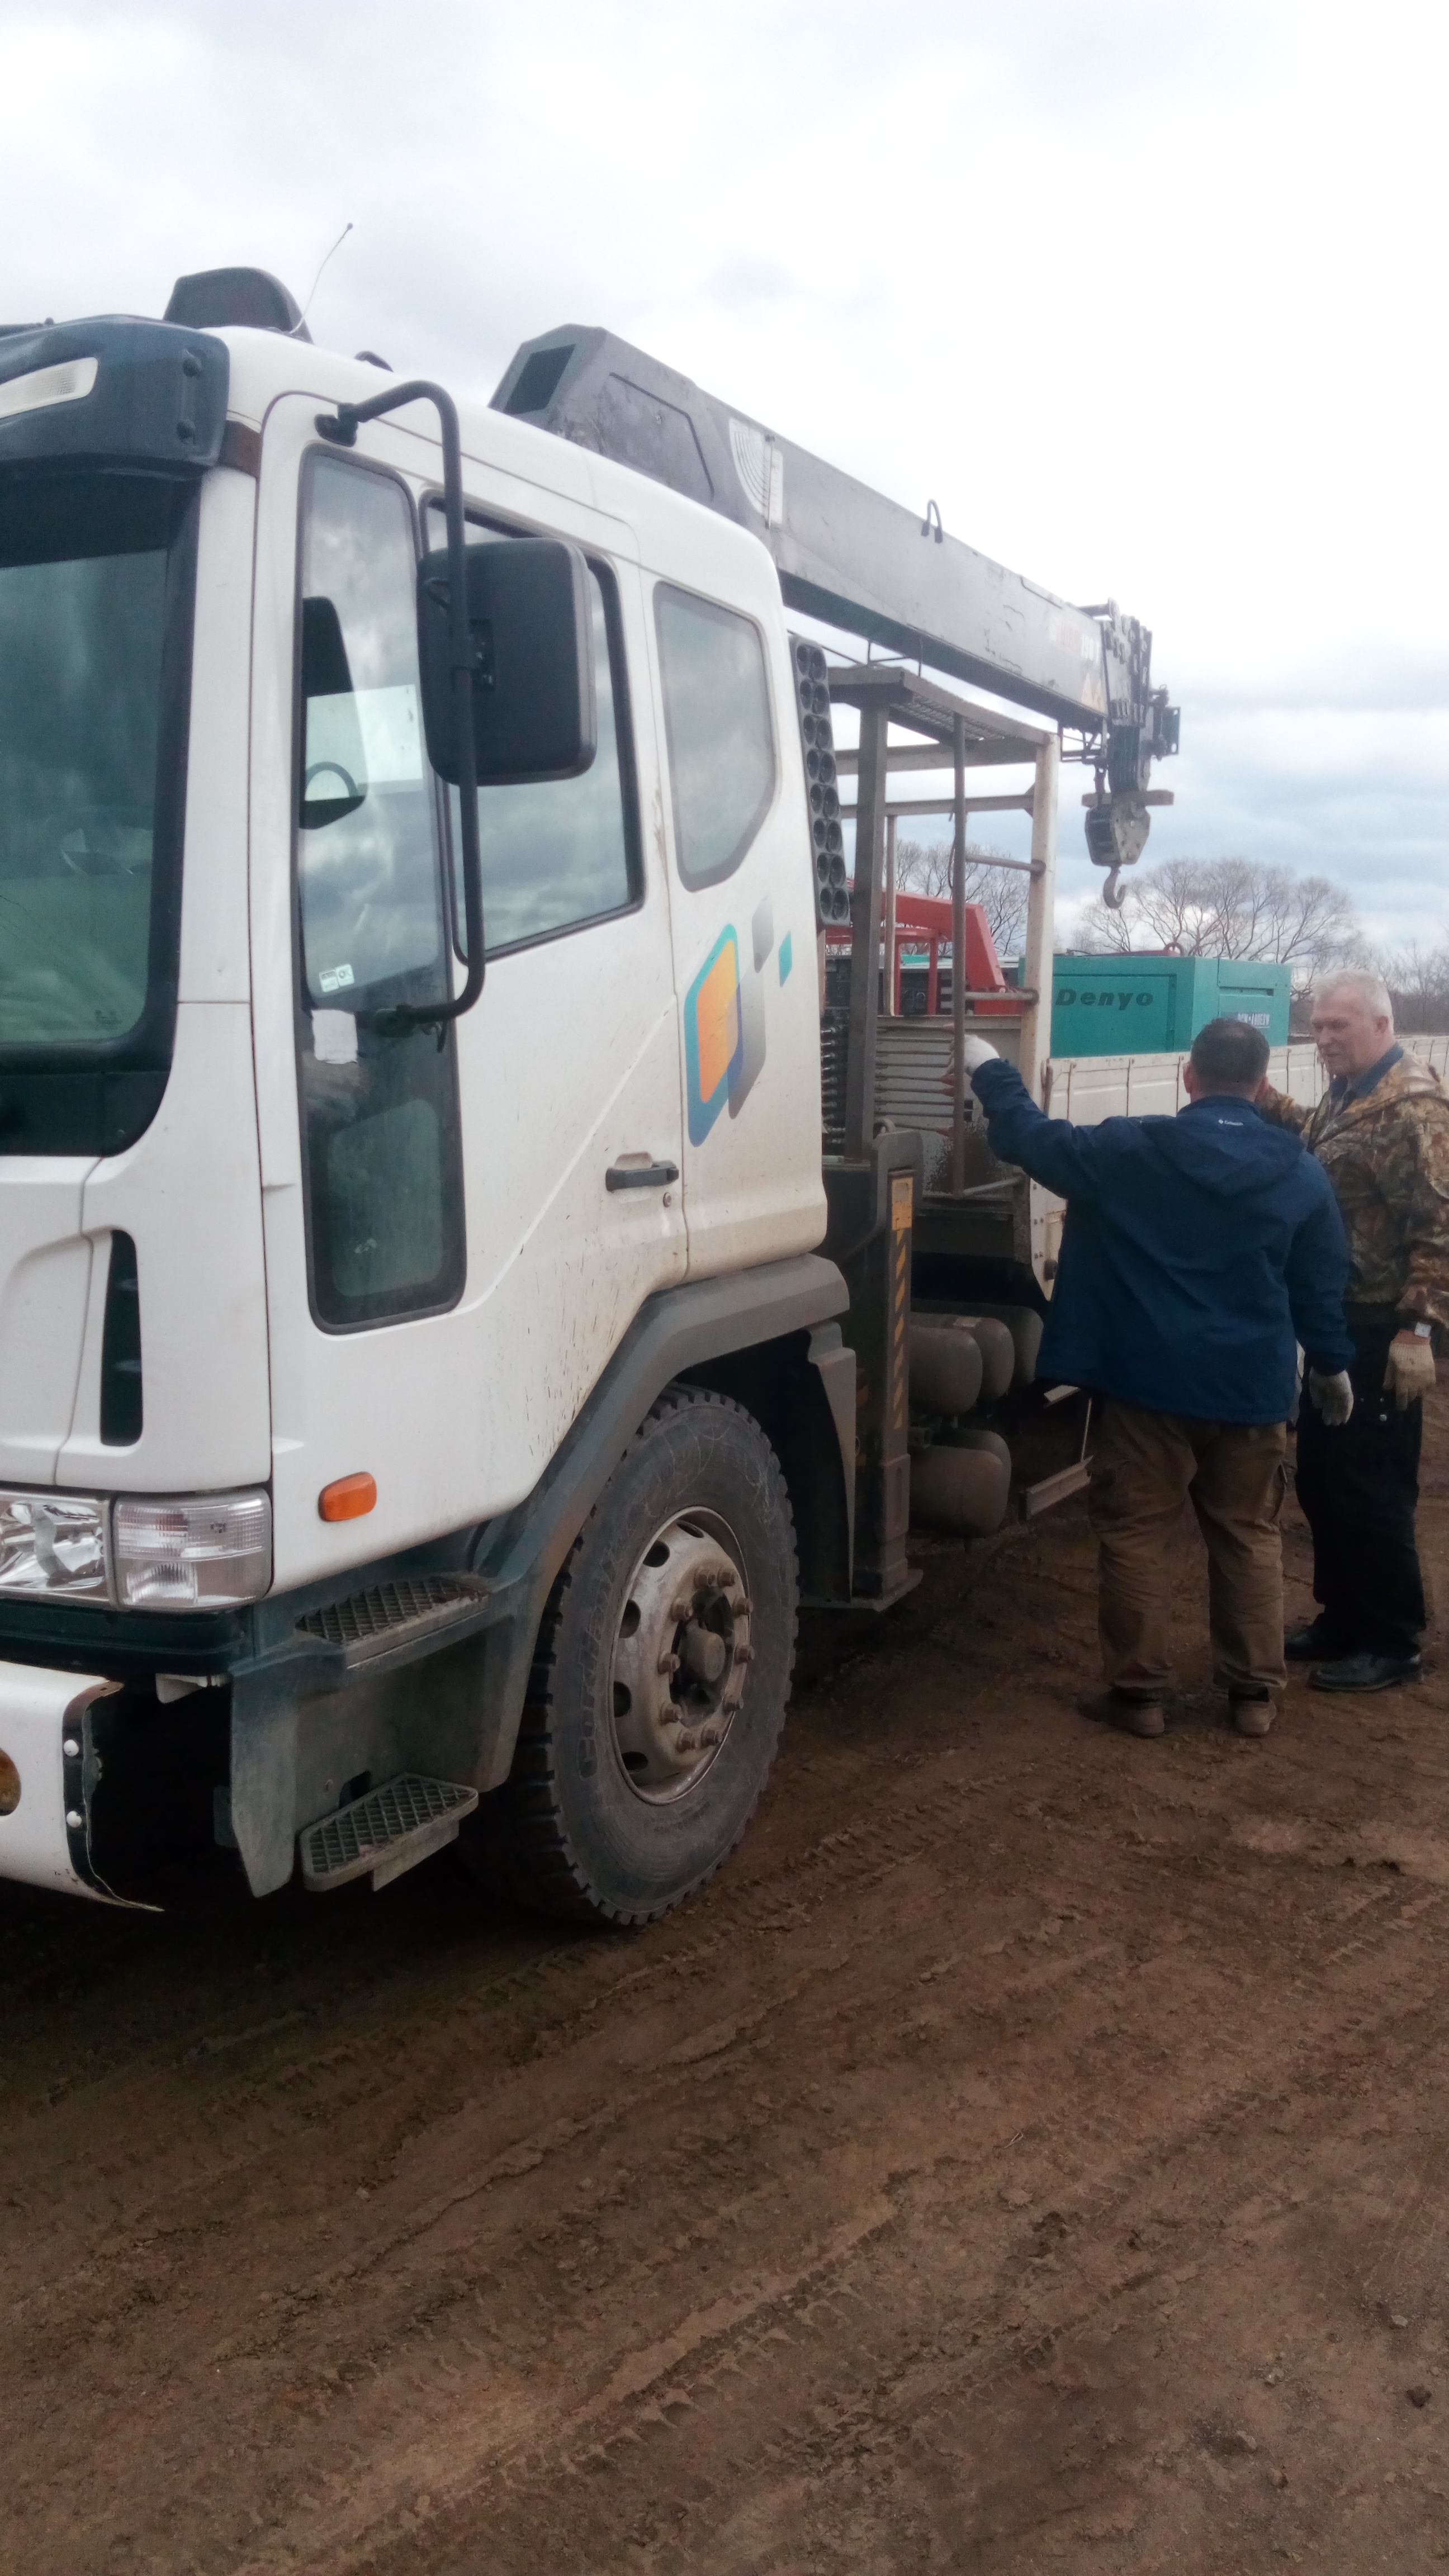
point(436, 1356)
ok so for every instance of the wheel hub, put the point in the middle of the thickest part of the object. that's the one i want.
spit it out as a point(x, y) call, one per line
point(681, 1655)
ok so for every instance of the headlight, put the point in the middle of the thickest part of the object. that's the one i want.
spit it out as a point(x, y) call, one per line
point(192, 1555)
point(53, 1543)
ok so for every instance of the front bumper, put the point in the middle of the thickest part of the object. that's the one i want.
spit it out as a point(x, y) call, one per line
point(85, 1637)
point(45, 1730)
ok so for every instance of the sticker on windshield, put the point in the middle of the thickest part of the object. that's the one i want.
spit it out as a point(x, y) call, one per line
point(335, 979)
point(368, 737)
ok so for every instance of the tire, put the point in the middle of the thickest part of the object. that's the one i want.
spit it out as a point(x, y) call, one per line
point(632, 1781)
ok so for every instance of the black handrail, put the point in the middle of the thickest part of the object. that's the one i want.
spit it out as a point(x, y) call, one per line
point(341, 430)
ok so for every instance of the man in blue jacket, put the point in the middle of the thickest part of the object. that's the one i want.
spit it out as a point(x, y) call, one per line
point(1197, 1252)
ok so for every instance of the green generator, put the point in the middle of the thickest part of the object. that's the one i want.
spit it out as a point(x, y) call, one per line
point(1155, 1005)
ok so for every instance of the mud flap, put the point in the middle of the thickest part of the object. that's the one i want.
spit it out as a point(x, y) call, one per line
point(264, 1778)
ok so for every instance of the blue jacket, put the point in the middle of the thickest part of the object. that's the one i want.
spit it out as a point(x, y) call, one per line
point(1196, 1251)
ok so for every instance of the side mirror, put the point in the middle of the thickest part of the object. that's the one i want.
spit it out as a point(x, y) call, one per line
point(530, 625)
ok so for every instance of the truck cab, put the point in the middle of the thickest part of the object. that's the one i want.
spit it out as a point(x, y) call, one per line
point(328, 1317)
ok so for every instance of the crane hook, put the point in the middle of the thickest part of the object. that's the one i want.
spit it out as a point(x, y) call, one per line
point(1114, 893)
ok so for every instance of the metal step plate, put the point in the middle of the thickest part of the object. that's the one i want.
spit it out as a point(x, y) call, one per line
point(385, 1833)
point(396, 1621)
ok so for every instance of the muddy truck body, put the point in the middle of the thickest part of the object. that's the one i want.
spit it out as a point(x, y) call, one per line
point(456, 1281)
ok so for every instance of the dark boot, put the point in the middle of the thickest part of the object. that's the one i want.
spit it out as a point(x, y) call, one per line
point(1368, 1672)
point(1317, 1643)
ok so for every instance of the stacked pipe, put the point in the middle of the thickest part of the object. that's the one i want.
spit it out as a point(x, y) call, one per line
point(961, 1480)
point(812, 690)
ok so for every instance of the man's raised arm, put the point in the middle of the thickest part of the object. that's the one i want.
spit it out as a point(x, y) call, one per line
point(1063, 1158)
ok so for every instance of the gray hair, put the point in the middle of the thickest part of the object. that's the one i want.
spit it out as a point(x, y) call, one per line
point(1371, 989)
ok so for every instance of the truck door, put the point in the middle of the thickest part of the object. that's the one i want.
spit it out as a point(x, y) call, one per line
point(743, 905)
point(450, 1264)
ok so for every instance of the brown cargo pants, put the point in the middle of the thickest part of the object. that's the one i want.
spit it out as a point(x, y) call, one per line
point(1233, 1473)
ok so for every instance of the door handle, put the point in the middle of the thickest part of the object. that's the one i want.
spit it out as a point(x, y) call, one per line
point(640, 1176)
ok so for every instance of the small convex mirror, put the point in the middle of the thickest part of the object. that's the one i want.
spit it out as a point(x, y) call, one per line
point(531, 625)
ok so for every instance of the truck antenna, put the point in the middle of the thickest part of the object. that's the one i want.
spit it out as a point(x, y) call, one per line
point(337, 245)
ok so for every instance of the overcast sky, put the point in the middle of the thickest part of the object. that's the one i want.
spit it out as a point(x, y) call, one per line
point(1150, 298)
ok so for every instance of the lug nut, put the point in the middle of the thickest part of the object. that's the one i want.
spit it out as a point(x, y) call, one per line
point(744, 1654)
point(668, 1664)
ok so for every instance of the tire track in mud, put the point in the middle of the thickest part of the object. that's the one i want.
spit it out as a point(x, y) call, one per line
point(572, 1984)
point(750, 2338)
point(811, 2108)
point(977, 2348)
point(336, 2081)
point(565, 1959)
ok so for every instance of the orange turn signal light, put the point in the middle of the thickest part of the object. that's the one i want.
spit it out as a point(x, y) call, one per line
point(347, 1498)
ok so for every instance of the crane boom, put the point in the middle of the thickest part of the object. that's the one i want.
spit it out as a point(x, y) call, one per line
point(851, 557)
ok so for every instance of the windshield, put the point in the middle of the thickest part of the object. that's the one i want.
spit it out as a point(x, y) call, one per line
point(83, 619)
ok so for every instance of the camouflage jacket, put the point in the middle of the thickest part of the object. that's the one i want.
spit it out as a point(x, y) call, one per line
point(1387, 1156)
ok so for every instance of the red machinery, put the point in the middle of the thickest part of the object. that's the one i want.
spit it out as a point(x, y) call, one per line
point(928, 917)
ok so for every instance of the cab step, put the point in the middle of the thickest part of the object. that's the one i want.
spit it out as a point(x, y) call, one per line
point(396, 1622)
point(384, 1833)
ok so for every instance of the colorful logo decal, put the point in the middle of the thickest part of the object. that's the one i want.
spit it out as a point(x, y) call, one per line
point(713, 1034)
point(724, 1022)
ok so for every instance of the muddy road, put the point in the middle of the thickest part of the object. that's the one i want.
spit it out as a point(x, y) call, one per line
point(1033, 2152)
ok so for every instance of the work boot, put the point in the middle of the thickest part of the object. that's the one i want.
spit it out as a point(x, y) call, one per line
point(1314, 1644)
point(1135, 1715)
point(1367, 1672)
point(1252, 1713)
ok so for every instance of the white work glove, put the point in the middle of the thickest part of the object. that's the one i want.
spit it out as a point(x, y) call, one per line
point(1410, 1370)
point(1333, 1396)
point(975, 1052)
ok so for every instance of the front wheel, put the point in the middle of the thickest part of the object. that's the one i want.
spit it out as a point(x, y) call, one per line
point(660, 1677)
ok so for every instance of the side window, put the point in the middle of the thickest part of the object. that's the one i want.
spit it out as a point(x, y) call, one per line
point(380, 1129)
point(565, 851)
point(717, 720)
point(367, 867)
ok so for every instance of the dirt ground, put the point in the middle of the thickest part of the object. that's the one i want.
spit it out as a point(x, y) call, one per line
point(1032, 2152)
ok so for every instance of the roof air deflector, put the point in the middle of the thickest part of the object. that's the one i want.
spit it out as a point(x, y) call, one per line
point(250, 299)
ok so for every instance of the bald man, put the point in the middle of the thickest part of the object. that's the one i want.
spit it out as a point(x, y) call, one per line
point(1381, 1132)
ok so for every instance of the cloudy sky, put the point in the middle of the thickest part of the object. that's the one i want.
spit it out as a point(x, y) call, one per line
point(1151, 298)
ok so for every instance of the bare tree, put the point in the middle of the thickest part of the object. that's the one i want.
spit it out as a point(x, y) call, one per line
point(1236, 908)
point(1418, 978)
point(924, 867)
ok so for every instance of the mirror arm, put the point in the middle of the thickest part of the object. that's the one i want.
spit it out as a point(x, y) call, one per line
point(340, 430)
